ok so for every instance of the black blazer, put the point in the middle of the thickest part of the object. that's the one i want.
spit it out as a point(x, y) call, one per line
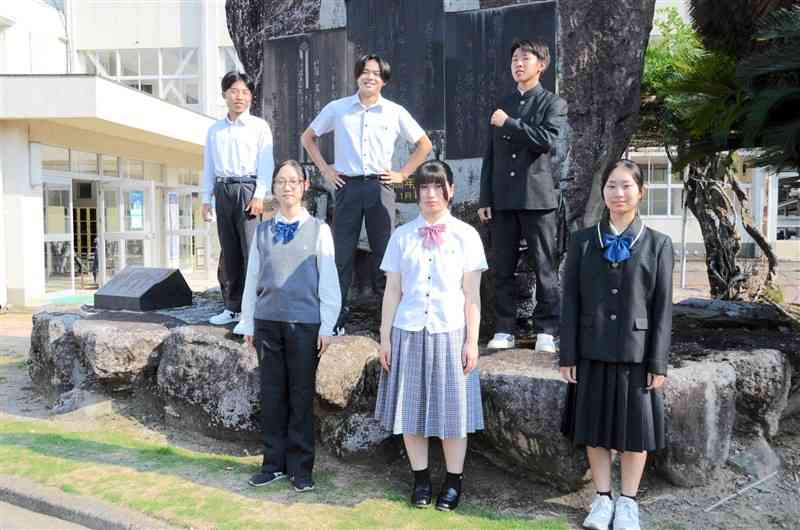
point(517, 172)
point(617, 312)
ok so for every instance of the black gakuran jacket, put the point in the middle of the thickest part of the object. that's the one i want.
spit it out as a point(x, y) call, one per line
point(518, 171)
point(617, 312)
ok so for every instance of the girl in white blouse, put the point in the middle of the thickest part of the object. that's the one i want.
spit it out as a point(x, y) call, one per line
point(429, 335)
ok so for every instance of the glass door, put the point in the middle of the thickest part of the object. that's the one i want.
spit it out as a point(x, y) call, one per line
point(126, 227)
point(59, 250)
point(186, 241)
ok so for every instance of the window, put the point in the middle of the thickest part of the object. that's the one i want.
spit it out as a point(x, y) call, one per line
point(172, 74)
point(664, 196)
point(83, 162)
point(55, 158)
point(134, 169)
point(152, 171)
point(110, 166)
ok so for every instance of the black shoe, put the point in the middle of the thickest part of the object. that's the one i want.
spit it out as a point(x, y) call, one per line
point(421, 495)
point(265, 479)
point(449, 497)
point(302, 485)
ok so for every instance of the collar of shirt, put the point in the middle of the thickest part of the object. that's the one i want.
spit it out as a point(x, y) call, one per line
point(445, 219)
point(241, 120)
point(530, 92)
point(302, 217)
point(356, 101)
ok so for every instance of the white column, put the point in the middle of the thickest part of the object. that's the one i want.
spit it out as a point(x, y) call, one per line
point(772, 208)
point(209, 55)
point(23, 228)
point(757, 201)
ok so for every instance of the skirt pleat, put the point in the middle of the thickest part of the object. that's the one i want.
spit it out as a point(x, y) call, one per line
point(610, 407)
point(426, 392)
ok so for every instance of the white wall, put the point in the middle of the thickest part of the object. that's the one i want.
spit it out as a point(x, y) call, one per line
point(24, 222)
point(32, 38)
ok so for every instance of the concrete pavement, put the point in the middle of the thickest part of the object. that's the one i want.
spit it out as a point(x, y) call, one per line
point(15, 518)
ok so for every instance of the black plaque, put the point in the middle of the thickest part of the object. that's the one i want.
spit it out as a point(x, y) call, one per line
point(410, 34)
point(144, 289)
point(478, 67)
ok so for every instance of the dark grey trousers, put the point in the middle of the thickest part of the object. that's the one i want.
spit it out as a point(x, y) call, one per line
point(356, 200)
point(235, 228)
point(539, 228)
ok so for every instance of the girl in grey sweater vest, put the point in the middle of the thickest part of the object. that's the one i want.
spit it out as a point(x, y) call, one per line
point(290, 304)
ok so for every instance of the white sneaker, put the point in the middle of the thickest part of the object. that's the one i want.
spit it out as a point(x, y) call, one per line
point(339, 332)
point(226, 317)
point(626, 514)
point(501, 341)
point(600, 514)
point(545, 343)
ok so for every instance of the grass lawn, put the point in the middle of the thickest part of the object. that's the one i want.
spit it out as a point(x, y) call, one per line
point(208, 491)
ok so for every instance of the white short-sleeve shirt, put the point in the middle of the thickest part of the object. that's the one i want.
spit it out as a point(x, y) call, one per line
point(364, 137)
point(432, 279)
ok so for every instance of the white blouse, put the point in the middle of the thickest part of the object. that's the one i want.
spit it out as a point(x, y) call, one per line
point(432, 279)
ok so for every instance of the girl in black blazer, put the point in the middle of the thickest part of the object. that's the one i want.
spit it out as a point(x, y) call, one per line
point(616, 320)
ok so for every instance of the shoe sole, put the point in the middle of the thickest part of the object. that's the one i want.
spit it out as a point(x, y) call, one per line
point(443, 509)
point(422, 506)
point(490, 347)
point(304, 490)
point(273, 481)
point(596, 527)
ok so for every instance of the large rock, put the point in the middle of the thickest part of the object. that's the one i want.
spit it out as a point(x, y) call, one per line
point(55, 355)
point(348, 372)
point(119, 352)
point(209, 383)
point(523, 400)
point(763, 380)
point(700, 413)
point(356, 436)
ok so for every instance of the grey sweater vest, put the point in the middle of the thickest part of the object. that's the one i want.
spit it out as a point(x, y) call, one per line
point(288, 280)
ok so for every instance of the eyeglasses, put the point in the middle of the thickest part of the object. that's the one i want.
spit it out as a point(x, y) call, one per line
point(291, 183)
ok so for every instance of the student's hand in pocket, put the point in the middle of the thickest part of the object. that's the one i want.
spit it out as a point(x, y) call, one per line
point(255, 207)
point(248, 339)
point(323, 341)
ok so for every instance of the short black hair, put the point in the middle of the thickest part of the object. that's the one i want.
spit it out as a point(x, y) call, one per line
point(386, 68)
point(294, 164)
point(632, 168)
point(434, 172)
point(231, 77)
point(536, 47)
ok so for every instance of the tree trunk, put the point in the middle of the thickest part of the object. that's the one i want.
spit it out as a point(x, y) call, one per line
point(601, 59)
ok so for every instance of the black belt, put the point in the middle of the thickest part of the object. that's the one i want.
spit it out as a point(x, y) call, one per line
point(236, 180)
point(370, 176)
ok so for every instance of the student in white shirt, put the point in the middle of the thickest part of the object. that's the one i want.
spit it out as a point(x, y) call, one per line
point(237, 168)
point(366, 127)
point(429, 335)
point(291, 302)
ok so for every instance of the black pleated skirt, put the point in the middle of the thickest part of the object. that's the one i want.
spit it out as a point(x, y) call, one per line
point(610, 407)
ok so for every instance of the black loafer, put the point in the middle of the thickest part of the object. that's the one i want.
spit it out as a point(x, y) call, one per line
point(448, 499)
point(421, 496)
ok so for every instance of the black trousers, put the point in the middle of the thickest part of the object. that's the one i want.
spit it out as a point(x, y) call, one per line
point(358, 200)
point(235, 228)
point(287, 359)
point(539, 228)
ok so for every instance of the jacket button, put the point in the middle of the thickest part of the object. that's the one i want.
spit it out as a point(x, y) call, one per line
point(614, 291)
point(514, 155)
point(512, 173)
point(613, 317)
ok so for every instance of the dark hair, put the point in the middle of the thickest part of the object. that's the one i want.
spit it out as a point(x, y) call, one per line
point(631, 166)
point(294, 164)
point(434, 172)
point(536, 47)
point(231, 77)
point(386, 68)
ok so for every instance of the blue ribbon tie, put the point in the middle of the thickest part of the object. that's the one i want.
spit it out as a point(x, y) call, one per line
point(284, 232)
